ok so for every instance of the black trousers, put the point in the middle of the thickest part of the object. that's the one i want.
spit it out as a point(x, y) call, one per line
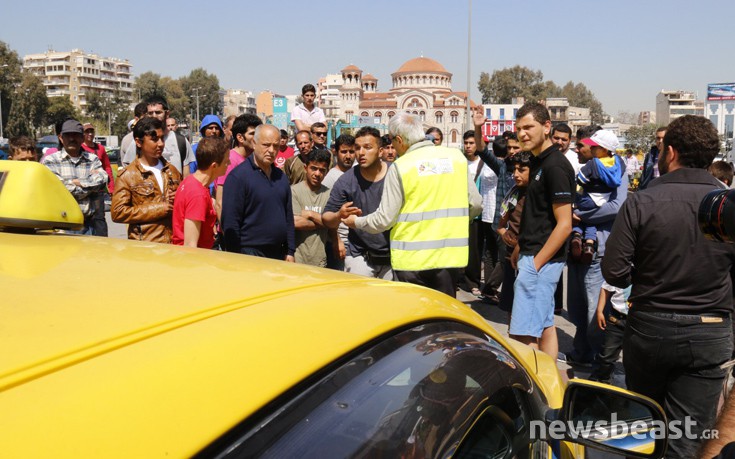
point(494, 252)
point(472, 271)
point(675, 359)
point(612, 345)
point(276, 252)
point(437, 279)
point(99, 223)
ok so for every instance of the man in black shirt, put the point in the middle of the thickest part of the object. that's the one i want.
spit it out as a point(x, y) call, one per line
point(546, 223)
point(679, 329)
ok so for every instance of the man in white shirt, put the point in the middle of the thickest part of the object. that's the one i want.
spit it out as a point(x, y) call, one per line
point(306, 114)
point(632, 166)
point(561, 134)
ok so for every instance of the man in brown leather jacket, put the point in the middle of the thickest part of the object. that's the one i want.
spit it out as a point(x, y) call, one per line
point(145, 190)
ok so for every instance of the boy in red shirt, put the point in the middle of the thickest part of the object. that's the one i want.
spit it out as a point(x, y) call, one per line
point(194, 216)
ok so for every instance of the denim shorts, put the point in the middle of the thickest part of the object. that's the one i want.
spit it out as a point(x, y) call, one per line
point(533, 303)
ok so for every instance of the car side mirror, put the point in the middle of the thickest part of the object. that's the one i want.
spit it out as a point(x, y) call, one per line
point(614, 420)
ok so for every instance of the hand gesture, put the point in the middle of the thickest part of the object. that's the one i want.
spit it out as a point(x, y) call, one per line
point(478, 117)
point(347, 209)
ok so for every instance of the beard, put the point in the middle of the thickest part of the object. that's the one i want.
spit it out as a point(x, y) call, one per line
point(663, 162)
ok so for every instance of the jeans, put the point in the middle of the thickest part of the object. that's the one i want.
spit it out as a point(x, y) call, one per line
point(494, 251)
point(584, 283)
point(98, 220)
point(675, 359)
point(611, 347)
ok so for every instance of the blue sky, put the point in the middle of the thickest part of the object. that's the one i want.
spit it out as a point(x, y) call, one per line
point(624, 51)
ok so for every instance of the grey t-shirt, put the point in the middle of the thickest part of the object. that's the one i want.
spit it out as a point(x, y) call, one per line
point(310, 245)
point(171, 152)
point(366, 196)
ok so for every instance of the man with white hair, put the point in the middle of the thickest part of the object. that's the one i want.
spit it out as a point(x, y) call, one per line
point(427, 203)
point(257, 212)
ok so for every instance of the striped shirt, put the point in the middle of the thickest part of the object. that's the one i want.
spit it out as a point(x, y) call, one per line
point(87, 168)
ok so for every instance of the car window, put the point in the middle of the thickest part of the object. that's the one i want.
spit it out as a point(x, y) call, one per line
point(419, 393)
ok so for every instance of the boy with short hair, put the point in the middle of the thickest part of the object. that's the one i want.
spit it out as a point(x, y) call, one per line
point(309, 197)
point(722, 171)
point(22, 149)
point(612, 312)
point(194, 215)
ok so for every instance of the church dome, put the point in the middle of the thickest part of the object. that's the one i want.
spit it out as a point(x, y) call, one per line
point(421, 65)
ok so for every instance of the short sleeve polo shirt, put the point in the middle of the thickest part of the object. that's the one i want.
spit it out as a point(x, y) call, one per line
point(551, 182)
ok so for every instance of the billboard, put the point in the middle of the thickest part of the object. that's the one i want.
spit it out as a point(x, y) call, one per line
point(721, 91)
point(497, 127)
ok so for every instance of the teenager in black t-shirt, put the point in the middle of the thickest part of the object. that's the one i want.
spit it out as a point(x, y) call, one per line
point(546, 224)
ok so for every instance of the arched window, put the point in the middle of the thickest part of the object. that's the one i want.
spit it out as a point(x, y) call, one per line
point(378, 115)
point(439, 117)
point(454, 117)
point(364, 114)
point(422, 115)
point(391, 114)
point(415, 103)
point(454, 136)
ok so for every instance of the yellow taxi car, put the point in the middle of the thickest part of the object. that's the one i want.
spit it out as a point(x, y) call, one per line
point(114, 348)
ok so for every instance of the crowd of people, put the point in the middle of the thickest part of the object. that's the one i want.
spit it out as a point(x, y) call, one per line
point(502, 219)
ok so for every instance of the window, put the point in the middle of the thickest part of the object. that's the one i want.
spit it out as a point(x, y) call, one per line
point(439, 117)
point(515, 112)
point(422, 115)
point(502, 113)
point(364, 114)
point(418, 393)
point(488, 113)
point(454, 117)
point(391, 114)
point(729, 126)
point(454, 136)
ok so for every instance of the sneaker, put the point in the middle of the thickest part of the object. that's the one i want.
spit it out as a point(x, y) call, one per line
point(491, 298)
point(476, 292)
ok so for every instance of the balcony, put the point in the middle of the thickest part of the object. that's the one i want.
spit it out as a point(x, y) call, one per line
point(57, 93)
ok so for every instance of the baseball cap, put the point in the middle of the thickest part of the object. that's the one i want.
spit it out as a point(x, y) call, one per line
point(72, 127)
point(603, 138)
point(88, 126)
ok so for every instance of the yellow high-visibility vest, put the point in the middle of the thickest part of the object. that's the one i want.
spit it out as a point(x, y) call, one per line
point(433, 226)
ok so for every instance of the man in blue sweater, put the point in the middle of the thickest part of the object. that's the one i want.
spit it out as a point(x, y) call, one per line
point(257, 214)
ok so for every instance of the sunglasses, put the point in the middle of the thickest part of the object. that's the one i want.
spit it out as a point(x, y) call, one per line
point(319, 133)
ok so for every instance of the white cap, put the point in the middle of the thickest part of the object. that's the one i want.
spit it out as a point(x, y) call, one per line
point(603, 138)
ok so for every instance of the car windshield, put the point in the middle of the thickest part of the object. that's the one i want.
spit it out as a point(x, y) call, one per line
point(415, 394)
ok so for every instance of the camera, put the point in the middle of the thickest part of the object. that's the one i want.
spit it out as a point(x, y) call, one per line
point(717, 215)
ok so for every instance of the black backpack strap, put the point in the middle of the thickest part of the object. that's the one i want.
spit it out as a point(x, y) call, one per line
point(181, 142)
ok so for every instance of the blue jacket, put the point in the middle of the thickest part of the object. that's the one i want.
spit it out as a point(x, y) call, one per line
point(206, 121)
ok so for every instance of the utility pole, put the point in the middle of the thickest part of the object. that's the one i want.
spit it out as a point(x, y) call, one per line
point(197, 96)
point(468, 119)
point(1, 104)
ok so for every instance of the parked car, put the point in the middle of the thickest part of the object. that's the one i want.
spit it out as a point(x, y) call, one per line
point(192, 352)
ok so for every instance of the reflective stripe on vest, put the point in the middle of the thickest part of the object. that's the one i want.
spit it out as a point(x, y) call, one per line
point(432, 228)
point(441, 213)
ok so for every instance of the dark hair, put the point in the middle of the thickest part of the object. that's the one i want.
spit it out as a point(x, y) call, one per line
point(318, 124)
point(319, 156)
point(211, 150)
point(140, 110)
point(147, 126)
point(242, 123)
point(284, 134)
point(344, 139)
point(387, 140)
point(433, 130)
point(586, 131)
point(695, 139)
point(468, 134)
point(156, 100)
point(722, 171)
point(308, 87)
point(500, 147)
point(562, 127)
point(661, 129)
point(522, 158)
point(21, 143)
point(508, 135)
point(539, 112)
point(369, 130)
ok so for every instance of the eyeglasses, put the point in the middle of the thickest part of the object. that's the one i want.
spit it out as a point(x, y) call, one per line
point(320, 134)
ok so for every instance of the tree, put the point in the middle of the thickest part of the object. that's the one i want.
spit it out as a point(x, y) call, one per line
point(179, 104)
point(509, 83)
point(59, 108)
point(579, 96)
point(208, 90)
point(29, 104)
point(10, 76)
point(640, 138)
point(148, 84)
point(625, 117)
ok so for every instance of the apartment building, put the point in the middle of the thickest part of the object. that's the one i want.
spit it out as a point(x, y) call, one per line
point(75, 73)
point(671, 105)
